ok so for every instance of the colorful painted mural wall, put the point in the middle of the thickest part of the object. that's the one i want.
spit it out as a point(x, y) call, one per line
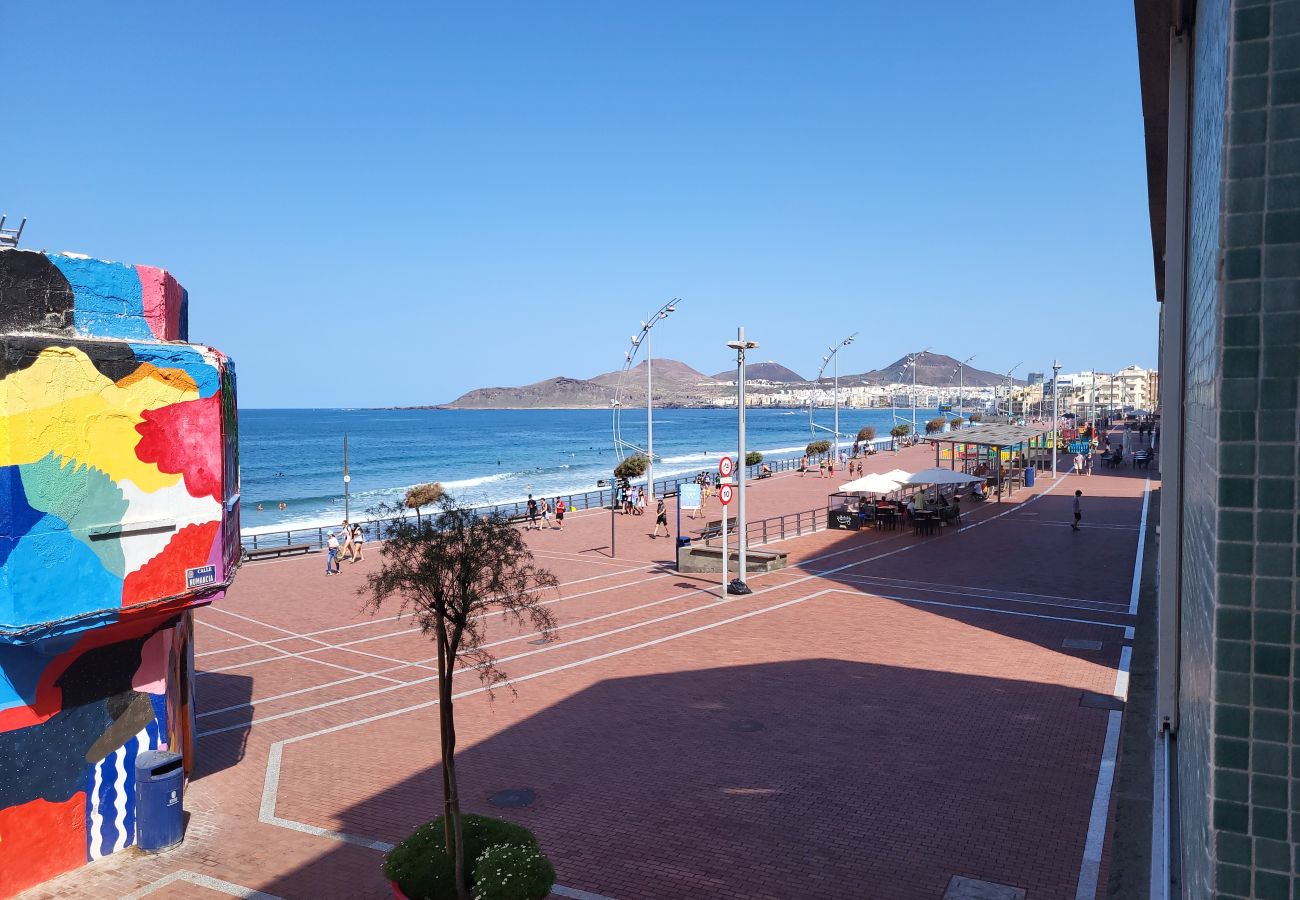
point(119, 513)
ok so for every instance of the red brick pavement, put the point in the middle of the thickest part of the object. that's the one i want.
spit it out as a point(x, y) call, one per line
point(889, 711)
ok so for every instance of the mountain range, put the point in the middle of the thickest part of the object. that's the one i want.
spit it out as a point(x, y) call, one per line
point(677, 384)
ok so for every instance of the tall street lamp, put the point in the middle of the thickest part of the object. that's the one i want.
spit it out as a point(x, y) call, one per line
point(1009, 383)
point(740, 345)
point(832, 358)
point(643, 335)
point(961, 385)
point(911, 361)
point(1056, 414)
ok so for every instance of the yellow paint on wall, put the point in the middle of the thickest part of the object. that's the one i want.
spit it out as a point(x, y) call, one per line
point(64, 405)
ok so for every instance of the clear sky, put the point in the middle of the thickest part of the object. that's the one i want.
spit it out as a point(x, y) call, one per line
point(392, 203)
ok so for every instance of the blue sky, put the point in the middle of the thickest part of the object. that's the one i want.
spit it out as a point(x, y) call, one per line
point(390, 204)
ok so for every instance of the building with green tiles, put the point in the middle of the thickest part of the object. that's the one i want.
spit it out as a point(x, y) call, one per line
point(1221, 103)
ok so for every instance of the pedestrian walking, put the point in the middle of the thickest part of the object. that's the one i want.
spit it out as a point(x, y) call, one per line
point(532, 513)
point(358, 543)
point(332, 559)
point(1078, 463)
point(347, 542)
point(821, 467)
point(1078, 511)
point(545, 509)
point(559, 513)
point(661, 518)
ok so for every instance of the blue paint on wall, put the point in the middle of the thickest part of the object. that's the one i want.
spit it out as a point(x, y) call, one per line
point(16, 515)
point(42, 589)
point(109, 299)
point(187, 359)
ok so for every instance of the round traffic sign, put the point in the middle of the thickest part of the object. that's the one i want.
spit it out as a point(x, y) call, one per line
point(725, 466)
point(724, 494)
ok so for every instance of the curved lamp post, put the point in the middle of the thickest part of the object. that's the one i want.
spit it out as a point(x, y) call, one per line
point(832, 359)
point(629, 356)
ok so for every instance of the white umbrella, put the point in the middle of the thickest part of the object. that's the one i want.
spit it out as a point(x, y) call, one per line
point(874, 483)
point(942, 476)
point(898, 475)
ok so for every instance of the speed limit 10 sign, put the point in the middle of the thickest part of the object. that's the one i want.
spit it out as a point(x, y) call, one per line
point(724, 494)
point(725, 466)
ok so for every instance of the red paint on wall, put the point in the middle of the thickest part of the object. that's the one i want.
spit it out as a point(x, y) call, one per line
point(163, 298)
point(164, 575)
point(185, 439)
point(40, 840)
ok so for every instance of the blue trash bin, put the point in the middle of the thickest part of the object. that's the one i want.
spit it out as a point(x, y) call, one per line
point(1029, 477)
point(159, 799)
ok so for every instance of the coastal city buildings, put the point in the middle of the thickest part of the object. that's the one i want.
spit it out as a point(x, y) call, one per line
point(1220, 86)
point(119, 514)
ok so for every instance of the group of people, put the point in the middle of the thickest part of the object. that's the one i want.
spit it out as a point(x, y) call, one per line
point(825, 466)
point(353, 544)
point(631, 500)
point(545, 509)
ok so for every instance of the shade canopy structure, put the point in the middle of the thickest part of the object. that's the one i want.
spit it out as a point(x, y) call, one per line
point(1006, 448)
point(942, 476)
point(898, 475)
point(874, 483)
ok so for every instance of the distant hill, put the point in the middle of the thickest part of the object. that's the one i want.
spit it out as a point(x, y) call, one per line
point(764, 371)
point(932, 370)
point(665, 370)
point(553, 392)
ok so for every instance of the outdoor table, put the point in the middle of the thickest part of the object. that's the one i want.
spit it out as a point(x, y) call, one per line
point(925, 521)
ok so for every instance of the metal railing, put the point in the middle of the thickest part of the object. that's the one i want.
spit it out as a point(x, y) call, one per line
point(775, 528)
point(315, 536)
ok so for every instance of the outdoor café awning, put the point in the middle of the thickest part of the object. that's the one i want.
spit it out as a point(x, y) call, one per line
point(875, 483)
point(990, 435)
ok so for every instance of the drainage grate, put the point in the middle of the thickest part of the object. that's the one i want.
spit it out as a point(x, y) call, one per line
point(963, 888)
point(1077, 644)
point(746, 725)
point(513, 798)
point(1100, 701)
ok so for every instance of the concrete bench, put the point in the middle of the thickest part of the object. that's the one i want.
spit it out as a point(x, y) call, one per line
point(697, 559)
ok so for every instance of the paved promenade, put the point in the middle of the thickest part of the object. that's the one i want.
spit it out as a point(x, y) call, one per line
point(887, 713)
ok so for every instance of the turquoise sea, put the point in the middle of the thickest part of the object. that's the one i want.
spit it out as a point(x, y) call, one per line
point(295, 456)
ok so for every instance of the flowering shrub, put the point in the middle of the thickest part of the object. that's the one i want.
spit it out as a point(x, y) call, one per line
point(513, 872)
point(423, 870)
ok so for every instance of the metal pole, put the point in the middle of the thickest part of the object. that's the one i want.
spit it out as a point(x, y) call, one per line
point(649, 418)
point(347, 495)
point(724, 549)
point(914, 397)
point(961, 390)
point(1056, 414)
point(836, 363)
point(613, 502)
point(740, 463)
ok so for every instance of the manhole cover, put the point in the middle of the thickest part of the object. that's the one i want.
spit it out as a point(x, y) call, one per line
point(746, 725)
point(1079, 644)
point(513, 798)
point(1100, 701)
point(964, 888)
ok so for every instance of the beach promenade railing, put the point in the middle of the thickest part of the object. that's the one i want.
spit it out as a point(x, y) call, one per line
point(601, 498)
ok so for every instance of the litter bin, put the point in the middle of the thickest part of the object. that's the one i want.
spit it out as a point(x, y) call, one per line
point(683, 541)
point(1029, 477)
point(159, 795)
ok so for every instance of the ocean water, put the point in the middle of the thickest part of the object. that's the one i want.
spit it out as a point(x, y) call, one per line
point(295, 456)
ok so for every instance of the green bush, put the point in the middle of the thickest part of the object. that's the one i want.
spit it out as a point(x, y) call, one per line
point(632, 467)
point(934, 426)
point(753, 458)
point(955, 422)
point(975, 417)
point(900, 430)
point(513, 872)
point(867, 433)
point(423, 870)
point(818, 447)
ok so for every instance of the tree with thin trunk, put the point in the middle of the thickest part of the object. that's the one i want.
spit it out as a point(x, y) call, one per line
point(447, 571)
